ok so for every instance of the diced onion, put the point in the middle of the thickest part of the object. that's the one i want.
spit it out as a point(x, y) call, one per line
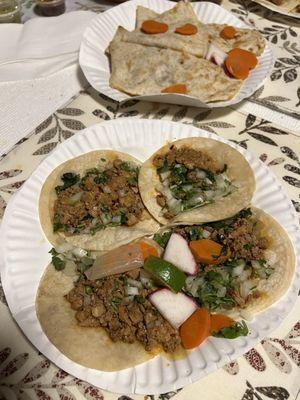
point(201, 174)
point(134, 283)
point(106, 189)
point(221, 291)
point(198, 198)
point(121, 192)
point(255, 264)
point(237, 271)
point(94, 222)
point(206, 234)
point(106, 219)
point(210, 194)
point(116, 219)
point(64, 247)
point(245, 289)
point(127, 300)
point(245, 275)
point(78, 252)
point(131, 291)
point(147, 283)
point(165, 175)
point(75, 198)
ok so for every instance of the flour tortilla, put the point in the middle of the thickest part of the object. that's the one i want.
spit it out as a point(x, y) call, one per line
point(182, 11)
point(288, 6)
point(179, 15)
point(148, 70)
point(90, 347)
point(238, 171)
point(246, 39)
point(105, 239)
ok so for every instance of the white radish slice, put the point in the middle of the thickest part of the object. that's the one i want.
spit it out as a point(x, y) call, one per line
point(174, 307)
point(215, 55)
point(179, 254)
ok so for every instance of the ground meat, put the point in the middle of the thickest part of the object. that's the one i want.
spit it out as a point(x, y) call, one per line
point(136, 320)
point(189, 157)
point(105, 195)
point(161, 200)
point(242, 238)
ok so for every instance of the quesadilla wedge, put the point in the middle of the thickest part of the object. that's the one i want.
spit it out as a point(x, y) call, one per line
point(150, 70)
point(93, 201)
point(195, 180)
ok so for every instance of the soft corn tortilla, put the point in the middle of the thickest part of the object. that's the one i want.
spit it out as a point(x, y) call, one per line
point(238, 171)
point(90, 347)
point(149, 70)
point(280, 280)
point(246, 39)
point(105, 239)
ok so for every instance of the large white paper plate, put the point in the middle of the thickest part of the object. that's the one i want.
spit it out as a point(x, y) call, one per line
point(278, 9)
point(100, 32)
point(25, 253)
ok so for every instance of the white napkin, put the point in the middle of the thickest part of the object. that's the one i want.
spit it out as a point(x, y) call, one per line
point(42, 46)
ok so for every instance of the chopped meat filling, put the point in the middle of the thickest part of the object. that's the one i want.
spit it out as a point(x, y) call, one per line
point(190, 158)
point(100, 198)
point(103, 303)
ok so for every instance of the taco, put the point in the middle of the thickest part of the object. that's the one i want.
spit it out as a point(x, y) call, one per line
point(245, 263)
point(121, 308)
point(93, 201)
point(195, 180)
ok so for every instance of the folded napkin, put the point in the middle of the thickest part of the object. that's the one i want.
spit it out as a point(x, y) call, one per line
point(42, 46)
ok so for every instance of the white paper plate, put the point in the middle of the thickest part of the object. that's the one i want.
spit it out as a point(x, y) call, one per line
point(276, 9)
point(25, 254)
point(100, 32)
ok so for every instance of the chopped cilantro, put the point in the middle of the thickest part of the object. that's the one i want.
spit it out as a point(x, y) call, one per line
point(248, 246)
point(103, 159)
point(139, 299)
point(58, 263)
point(162, 238)
point(239, 329)
point(96, 228)
point(69, 179)
point(89, 290)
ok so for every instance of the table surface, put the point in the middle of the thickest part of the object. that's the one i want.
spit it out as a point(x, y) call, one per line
point(271, 370)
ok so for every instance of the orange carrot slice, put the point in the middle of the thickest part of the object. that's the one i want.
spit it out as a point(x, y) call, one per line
point(246, 56)
point(179, 88)
point(187, 29)
point(154, 27)
point(239, 62)
point(228, 32)
point(220, 321)
point(195, 329)
point(207, 251)
point(148, 250)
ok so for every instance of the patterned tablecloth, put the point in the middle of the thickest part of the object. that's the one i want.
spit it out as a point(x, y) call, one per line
point(271, 370)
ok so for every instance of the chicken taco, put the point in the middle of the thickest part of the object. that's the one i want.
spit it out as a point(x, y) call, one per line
point(195, 180)
point(166, 294)
point(93, 201)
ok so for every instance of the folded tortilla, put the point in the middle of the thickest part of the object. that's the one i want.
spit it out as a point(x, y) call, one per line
point(246, 39)
point(90, 347)
point(288, 6)
point(105, 239)
point(238, 171)
point(149, 70)
point(280, 280)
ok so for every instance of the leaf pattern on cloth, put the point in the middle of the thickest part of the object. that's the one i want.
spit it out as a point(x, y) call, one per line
point(232, 368)
point(269, 392)
point(255, 360)
point(277, 357)
point(14, 365)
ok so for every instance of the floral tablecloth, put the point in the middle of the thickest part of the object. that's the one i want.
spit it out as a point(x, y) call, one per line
point(271, 370)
